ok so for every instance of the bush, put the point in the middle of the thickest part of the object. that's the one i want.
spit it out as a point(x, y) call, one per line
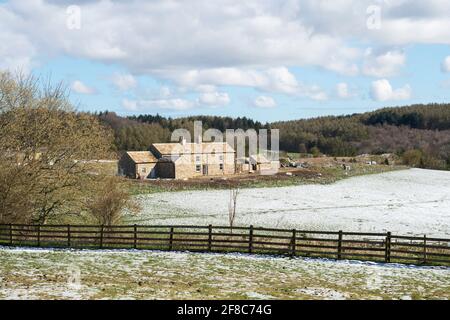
point(315, 152)
point(108, 205)
point(413, 158)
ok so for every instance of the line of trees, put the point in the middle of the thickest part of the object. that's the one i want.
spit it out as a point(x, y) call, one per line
point(424, 128)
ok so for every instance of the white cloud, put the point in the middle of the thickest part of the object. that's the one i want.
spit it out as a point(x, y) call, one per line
point(277, 79)
point(175, 104)
point(382, 90)
point(165, 92)
point(265, 102)
point(129, 104)
point(123, 82)
point(267, 33)
point(214, 98)
point(445, 67)
point(80, 88)
point(382, 65)
point(140, 37)
point(207, 34)
point(343, 91)
point(205, 88)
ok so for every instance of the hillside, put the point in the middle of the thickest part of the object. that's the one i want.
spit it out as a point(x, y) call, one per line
point(421, 133)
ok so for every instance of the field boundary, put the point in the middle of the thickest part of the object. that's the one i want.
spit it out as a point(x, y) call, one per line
point(379, 247)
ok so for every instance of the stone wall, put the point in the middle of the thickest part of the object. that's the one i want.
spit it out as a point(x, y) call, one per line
point(146, 170)
point(193, 165)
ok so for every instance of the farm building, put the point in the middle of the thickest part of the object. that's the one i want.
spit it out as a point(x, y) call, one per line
point(257, 163)
point(138, 164)
point(190, 160)
point(179, 161)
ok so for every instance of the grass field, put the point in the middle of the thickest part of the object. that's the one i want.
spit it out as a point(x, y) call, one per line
point(54, 274)
point(313, 175)
point(408, 202)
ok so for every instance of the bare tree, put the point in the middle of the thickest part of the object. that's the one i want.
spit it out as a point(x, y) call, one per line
point(232, 207)
point(110, 201)
point(44, 148)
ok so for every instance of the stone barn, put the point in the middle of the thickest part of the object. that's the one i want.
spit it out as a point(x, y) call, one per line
point(138, 164)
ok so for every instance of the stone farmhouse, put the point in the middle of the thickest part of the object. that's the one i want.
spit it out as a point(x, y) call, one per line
point(179, 161)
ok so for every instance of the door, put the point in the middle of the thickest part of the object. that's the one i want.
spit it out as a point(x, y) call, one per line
point(205, 169)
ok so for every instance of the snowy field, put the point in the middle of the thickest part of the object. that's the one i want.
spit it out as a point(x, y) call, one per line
point(409, 202)
point(75, 274)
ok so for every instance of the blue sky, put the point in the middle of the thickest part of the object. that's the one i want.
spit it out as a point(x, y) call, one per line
point(268, 60)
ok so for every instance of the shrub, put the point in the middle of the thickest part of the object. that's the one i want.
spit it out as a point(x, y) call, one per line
point(315, 152)
point(108, 205)
point(413, 158)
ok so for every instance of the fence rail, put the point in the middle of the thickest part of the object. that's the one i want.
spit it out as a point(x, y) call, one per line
point(383, 247)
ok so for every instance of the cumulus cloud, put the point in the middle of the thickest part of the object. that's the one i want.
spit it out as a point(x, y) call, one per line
point(382, 65)
point(266, 32)
point(207, 34)
point(175, 104)
point(165, 92)
point(243, 41)
point(445, 66)
point(343, 91)
point(214, 99)
point(382, 90)
point(80, 88)
point(264, 102)
point(123, 82)
point(277, 79)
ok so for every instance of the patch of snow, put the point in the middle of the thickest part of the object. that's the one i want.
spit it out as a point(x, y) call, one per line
point(409, 202)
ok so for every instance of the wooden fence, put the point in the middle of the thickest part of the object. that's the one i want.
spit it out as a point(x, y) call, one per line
point(383, 247)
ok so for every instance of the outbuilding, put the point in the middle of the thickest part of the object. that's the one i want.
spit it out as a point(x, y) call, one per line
point(138, 164)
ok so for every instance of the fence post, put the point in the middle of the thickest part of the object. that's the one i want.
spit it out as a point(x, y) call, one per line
point(10, 235)
point(250, 240)
point(171, 239)
point(387, 253)
point(101, 237)
point(209, 238)
point(339, 248)
point(135, 237)
point(424, 248)
point(68, 235)
point(293, 243)
point(39, 235)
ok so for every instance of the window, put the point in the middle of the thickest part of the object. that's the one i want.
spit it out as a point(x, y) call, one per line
point(198, 158)
point(198, 168)
point(221, 166)
point(221, 157)
point(143, 170)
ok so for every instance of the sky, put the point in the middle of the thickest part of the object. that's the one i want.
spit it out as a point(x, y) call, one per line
point(268, 60)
